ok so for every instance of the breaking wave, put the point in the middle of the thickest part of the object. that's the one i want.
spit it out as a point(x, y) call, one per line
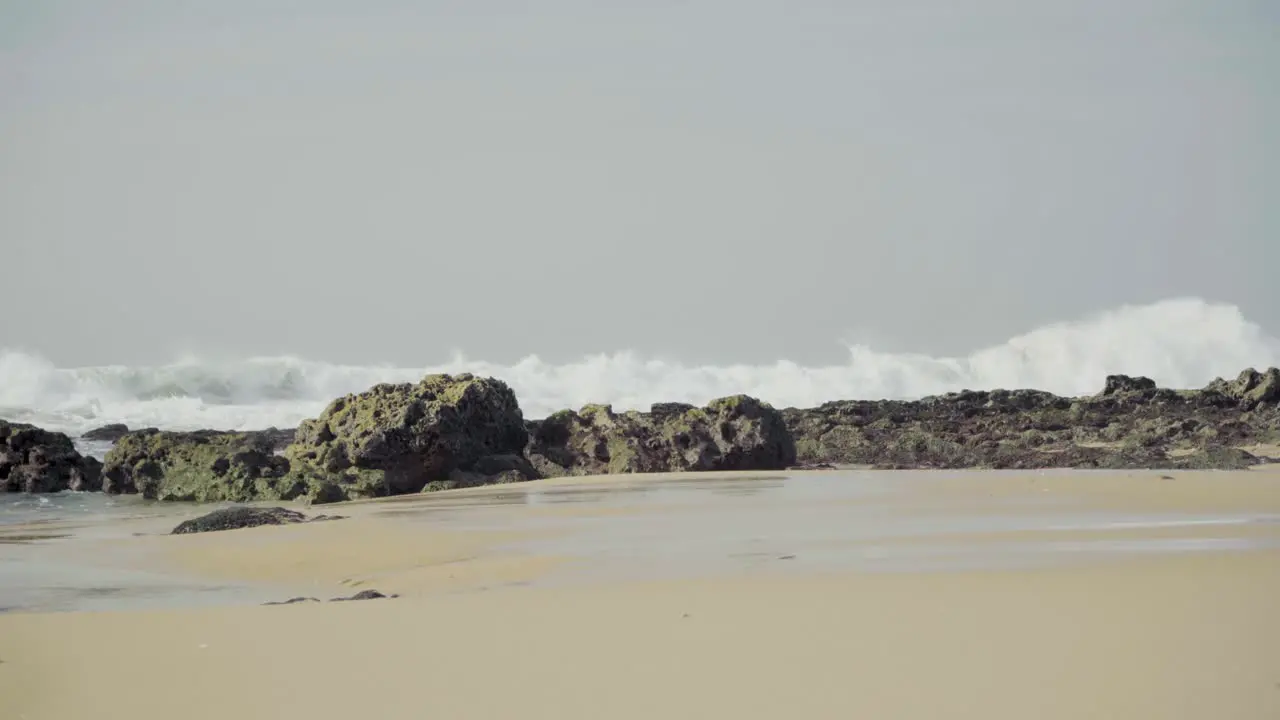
point(1179, 343)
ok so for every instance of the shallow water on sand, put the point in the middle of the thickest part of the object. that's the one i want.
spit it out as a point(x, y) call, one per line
point(637, 528)
point(813, 522)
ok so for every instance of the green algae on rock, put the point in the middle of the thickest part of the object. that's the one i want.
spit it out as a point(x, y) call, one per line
point(1130, 424)
point(202, 466)
point(238, 518)
point(444, 431)
point(35, 460)
point(731, 433)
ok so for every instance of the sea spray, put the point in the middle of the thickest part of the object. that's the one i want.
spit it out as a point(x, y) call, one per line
point(1179, 343)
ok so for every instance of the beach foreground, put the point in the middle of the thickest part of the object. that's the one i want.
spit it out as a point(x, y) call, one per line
point(1063, 596)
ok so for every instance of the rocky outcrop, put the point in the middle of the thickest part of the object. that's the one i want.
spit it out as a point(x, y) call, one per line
point(1251, 389)
point(445, 431)
point(279, 439)
point(462, 431)
point(106, 433)
point(1120, 384)
point(40, 461)
point(237, 518)
point(488, 470)
point(202, 466)
point(732, 433)
point(1131, 423)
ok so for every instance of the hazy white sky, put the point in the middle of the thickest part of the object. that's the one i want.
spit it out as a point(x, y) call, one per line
point(717, 181)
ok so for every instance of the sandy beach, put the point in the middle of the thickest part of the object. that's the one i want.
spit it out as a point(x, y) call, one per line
point(841, 594)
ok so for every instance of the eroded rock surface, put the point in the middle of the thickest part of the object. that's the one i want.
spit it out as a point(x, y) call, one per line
point(445, 431)
point(107, 433)
point(236, 518)
point(202, 466)
point(35, 460)
point(1131, 423)
point(732, 433)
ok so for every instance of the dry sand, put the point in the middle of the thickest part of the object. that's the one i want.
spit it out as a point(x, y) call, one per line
point(1168, 635)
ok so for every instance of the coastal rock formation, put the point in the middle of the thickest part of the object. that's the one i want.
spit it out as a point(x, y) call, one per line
point(1251, 389)
point(107, 433)
point(444, 431)
point(488, 470)
point(40, 461)
point(731, 433)
point(279, 439)
point(204, 466)
point(236, 518)
point(1131, 423)
point(462, 431)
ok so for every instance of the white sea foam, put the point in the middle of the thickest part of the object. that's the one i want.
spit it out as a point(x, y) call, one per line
point(1179, 343)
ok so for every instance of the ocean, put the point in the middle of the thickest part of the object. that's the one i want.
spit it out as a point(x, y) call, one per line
point(1183, 342)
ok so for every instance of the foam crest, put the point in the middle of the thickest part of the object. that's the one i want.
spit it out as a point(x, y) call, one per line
point(1179, 343)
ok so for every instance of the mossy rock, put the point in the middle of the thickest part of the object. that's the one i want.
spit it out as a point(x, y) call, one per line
point(403, 438)
point(201, 466)
point(732, 433)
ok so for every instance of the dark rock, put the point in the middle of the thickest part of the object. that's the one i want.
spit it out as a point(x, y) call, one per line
point(1132, 423)
point(107, 433)
point(732, 433)
point(1115, 384)
point(202, 466)
point(40, 461)
point(488, 470)
point(235, 518)
point(279, 439)
point(1251, 388)
point(395, 439)
point(1216, 457)
point(364, 595)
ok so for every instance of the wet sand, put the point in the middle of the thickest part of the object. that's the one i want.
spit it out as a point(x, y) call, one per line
point(825, 594)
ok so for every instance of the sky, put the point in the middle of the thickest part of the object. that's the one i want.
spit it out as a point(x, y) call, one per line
point(719, 182)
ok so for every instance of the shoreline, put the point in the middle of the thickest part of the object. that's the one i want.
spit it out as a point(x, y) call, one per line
point(610, 528)
point(878, 593)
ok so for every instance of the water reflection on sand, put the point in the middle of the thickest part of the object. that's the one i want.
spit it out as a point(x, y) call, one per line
point(646, 527)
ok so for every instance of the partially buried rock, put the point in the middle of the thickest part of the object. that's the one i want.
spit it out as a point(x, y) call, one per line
point(40, 461)
point(235, 518)
point(396, 439)
point(1216, 457)
point(813, 466)
point(364, 595)
point(731, 433)
point(201, 466)
point(293, 601)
